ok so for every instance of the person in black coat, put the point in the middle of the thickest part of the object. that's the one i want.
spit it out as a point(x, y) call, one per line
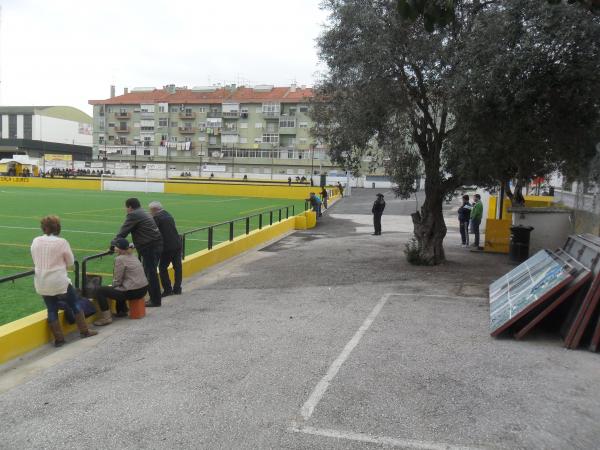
point(377, 210)
point(148, 243)
point(171, 253)
point(464, 215)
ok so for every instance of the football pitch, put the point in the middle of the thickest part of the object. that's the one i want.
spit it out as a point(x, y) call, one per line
point(90, 220)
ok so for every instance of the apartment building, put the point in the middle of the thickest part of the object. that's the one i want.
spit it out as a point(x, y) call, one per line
point(261, 132)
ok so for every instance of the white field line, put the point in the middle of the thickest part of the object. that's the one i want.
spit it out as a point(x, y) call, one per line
point(317, 394)
point(64, 231)
point(380, 440)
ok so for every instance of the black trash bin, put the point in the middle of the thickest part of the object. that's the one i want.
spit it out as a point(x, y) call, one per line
point(519, 243)
point(551, 191)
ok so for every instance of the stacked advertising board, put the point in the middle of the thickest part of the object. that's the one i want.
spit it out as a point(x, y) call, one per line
point(557, 289)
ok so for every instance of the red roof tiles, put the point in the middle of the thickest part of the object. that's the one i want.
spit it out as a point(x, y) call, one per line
point(188, 96)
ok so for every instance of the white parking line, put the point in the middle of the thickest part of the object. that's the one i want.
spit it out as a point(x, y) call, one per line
point(380, 440)
point(317, 394)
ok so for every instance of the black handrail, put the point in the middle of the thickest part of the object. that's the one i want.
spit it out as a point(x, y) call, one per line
point(28, 273)
point(84, 262)
point(16, 276)
point(231, 224)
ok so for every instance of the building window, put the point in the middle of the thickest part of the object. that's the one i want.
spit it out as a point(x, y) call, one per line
point(304, 109)
point(163, 122)
point(212, 140)
point(271, 128)
point(100, 139)
point(174, 109)
point(270, 138)
point(302, 124)
point(27, 127)
point(270, 108)
point(258, 125)
point(147, 109)
point(122, 125)
point(147, 128)
point(12, 126)
point(111, 138)
point(101, 111)
point(302, 141)
point(287, 123)
point(243, 124)
point(123, 141)
point(243, 140)
point(259, 109)
point(174, 124)
point(111, 125)
point(161, 109)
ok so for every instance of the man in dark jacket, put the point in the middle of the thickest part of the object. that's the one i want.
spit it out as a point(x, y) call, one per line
point(148, 243)
point(464, 215)
point(377, 211)
point(171, 253)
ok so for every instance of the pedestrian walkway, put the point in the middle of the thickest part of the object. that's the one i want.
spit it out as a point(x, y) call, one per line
point(326, 338)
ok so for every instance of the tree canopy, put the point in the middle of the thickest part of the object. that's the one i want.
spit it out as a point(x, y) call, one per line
point(505, 78)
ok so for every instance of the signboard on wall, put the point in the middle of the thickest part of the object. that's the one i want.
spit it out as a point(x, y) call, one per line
point(52, 157)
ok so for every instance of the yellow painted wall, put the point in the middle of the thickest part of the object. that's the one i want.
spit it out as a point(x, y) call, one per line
point(497, 235)
point(51, 183)
point(531, 201)
point(28, 333)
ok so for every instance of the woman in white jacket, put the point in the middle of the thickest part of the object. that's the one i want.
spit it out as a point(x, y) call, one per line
point(52, 256)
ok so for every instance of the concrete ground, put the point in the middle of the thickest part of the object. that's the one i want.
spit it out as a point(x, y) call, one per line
point(324, 339)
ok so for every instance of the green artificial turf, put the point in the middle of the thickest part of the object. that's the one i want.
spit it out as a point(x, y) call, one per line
point(89, 221)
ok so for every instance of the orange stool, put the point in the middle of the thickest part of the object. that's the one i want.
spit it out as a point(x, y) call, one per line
point(137, 308)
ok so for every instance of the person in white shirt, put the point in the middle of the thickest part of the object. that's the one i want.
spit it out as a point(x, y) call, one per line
point(52, 256)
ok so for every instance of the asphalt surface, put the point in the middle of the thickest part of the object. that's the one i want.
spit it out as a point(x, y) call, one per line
point(324, 339)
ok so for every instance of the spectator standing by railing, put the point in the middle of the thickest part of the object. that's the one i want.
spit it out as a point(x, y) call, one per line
point(171, 253)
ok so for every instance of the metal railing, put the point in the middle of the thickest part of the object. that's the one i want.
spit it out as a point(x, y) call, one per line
point(274, 215)
point(31, 272)
point(84, 263)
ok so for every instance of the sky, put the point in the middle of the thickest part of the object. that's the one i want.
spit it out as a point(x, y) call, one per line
point(65, 52)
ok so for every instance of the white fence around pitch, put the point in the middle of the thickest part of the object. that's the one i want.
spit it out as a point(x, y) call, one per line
point(106, 184)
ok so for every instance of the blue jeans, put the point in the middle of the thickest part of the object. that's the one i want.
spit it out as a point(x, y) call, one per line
point(52, 303)
point(150, 258)
point(475, 229)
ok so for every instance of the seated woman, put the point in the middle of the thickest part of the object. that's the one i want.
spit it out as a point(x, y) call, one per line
point(51, 256)
point(129, 283)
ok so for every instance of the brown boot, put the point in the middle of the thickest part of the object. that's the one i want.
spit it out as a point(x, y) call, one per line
point(105, 318)
point(84, 331)
point(59, 338)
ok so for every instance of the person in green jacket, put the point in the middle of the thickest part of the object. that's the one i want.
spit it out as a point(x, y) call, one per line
point(476, 216)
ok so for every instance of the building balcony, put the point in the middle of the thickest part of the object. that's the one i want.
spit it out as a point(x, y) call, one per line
point(229, 131)
point(231, 114)
point(187, 130)
point(271, 114)
point(122, 129)
point(122, 115)
point(287, 130)
point(214, 114)
point(187, 115)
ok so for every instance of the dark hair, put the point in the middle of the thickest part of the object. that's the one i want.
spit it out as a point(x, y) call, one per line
point(51, 225)
point(478, 196)
point(132, 203)
point(466, 197)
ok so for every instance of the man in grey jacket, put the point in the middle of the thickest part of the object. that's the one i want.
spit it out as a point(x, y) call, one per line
point(148, 243)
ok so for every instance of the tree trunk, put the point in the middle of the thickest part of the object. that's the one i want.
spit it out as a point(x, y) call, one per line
point(429, 225)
